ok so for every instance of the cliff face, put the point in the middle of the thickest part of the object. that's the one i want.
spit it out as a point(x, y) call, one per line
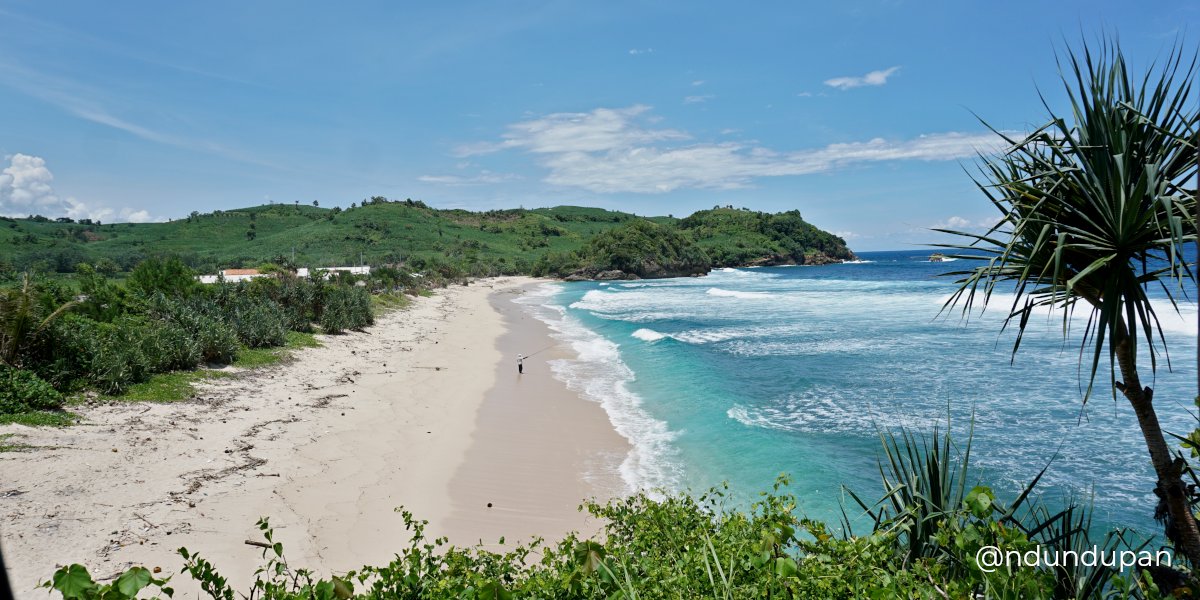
point(811, 258)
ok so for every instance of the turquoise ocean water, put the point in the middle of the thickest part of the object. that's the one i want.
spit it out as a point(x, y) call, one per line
point(746, 373)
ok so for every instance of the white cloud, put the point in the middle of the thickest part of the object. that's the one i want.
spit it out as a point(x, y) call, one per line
point(602, 129)
point(698, 82)
point(873, 78)
point(637, 51)
point(616, 150)
point(960, 224)
point(26, 188)
point(25, 185)
point(805, 94)
point(698, 99)
point(482, 178)
point(85, 103)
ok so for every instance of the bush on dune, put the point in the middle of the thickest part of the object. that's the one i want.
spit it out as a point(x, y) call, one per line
point(23, 391)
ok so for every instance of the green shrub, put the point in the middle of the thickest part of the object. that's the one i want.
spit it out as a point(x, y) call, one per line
point(167, 275)
point(218, 342)
point(168, 347)
point(117, 361)
point(23, 391)
point(346, 308)
point(259, 322)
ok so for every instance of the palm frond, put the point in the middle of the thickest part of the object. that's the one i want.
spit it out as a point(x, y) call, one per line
point(1094, 207)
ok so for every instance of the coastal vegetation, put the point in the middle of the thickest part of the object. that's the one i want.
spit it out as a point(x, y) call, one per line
point(408, 233)
point(1093, 211)
point(638, 249)
point(154, 333)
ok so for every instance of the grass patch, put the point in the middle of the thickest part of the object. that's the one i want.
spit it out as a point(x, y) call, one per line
point(296, 339)
point(6, 445)
point(253, 358)
point(37, 418)
point(180, 385)
point(424, 293)
point(382, 303)
point(165, 387)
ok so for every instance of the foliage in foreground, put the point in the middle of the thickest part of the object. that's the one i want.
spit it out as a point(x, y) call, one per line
point(1095, 210)
point(923, 544)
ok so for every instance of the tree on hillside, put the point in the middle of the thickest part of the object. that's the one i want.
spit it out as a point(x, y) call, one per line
point(1094, 209)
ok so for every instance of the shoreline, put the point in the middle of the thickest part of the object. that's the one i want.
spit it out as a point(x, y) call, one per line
point(328, 445)
point(539, 449)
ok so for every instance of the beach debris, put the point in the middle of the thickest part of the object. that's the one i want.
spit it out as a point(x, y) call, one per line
point(489, 504)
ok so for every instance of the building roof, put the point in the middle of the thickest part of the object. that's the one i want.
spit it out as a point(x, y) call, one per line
point(228, 272)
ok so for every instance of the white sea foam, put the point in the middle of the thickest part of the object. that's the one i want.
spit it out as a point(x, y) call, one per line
point(722, 293)
point(857, 262)
point(599, 375)
point(1048, 320)
point(800, 348)
point(649, 335)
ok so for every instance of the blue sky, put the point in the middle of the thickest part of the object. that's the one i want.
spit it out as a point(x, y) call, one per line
point(858, 114)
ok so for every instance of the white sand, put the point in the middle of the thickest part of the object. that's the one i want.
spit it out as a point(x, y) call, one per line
point(327, 446)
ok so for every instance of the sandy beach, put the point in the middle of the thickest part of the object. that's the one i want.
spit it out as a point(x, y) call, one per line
point(424, 410)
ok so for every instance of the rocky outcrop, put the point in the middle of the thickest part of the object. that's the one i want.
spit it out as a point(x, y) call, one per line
point(596, 275)
point(820, 258)
point(812, 258)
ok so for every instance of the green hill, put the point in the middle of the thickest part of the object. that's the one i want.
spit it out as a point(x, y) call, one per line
point(739, 237)
point(559, 241)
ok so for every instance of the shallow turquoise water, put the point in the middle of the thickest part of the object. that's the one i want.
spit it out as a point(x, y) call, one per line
point(747, 373)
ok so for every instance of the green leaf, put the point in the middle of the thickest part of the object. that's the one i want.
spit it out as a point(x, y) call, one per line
point(132, 581)
point(979, 501)
point(74, 582)
point(785, 567)
point(343, 589)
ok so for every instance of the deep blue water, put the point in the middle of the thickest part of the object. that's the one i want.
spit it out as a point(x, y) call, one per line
point(747, 373)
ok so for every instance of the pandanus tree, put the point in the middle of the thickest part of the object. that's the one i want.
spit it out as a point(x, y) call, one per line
point(1096, 207)
point(23, 316)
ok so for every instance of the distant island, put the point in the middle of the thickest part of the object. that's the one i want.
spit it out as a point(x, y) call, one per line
point(568, 242)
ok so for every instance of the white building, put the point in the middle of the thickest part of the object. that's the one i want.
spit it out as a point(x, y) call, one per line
point(304, 271)
point(236, 275)
point(232, 276)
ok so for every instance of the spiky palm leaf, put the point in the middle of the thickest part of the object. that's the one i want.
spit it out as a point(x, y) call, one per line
point(1095, 207)
point(21, 318)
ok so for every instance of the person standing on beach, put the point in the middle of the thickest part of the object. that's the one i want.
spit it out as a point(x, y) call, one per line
point(520, 364)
